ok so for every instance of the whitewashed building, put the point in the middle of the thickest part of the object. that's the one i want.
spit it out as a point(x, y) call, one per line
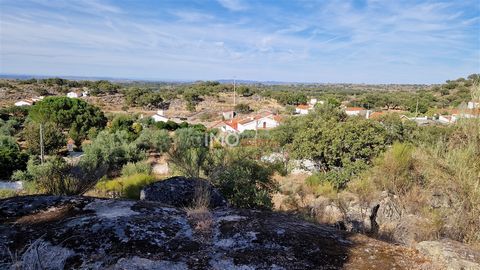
point(160, 117)
point(260, 121)
point(303, 109)
point(473, 105)
point(72, 95)
point(22, 103)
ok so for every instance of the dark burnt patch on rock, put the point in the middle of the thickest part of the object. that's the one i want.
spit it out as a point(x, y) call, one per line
point(182, 192)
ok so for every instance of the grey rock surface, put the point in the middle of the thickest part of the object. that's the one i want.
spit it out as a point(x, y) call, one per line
point(50, 232)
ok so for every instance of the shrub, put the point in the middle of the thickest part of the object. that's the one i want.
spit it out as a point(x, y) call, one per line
point(245, 183)
point(110, 151)
point(154, 140)
point(7, 193)
point(125, 187)
point(140, 167)
point(189, 153)
point(314, 180)
point(393, 170)
point(57, 177)
point(11, 158)
point(242, 108)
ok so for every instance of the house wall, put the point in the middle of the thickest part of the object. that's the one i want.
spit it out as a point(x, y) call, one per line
point(444, 119)
point(227, 128)
point(72, 95)
point(247, 126)
point(258, 124)
point(159, 118)
point(352, 113)
point(301, 111)
point(270, 123)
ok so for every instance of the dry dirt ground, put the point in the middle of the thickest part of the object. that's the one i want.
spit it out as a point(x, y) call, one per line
point(207, 111)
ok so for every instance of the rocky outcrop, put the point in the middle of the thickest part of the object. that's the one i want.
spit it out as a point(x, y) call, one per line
point(48, 232)
point(452, 254)
point(183, 192)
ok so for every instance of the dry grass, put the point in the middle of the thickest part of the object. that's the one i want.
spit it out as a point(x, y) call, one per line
point(199, 215)
point(201, 218)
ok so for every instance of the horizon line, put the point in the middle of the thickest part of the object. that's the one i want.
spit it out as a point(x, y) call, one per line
point(245, 81)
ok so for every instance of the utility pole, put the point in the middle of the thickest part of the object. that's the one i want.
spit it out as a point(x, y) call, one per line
point(42, 150)
point(416, 109)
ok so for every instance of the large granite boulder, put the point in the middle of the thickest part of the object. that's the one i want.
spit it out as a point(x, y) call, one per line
point(48, 232)
point(452, 254)
point(182, 192)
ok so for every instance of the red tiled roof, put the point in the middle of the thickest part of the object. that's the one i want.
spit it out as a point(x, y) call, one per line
point(375, 115)
point(303, 107)
point(232, 123)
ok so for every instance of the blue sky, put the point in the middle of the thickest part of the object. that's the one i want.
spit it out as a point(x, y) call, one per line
point(306, 41)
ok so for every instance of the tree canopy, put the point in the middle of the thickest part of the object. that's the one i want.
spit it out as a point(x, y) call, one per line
point(70, 114)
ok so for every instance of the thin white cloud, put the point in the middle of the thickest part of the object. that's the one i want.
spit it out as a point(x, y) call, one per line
point(233, 5)
point(191, 16)
point(379, 42)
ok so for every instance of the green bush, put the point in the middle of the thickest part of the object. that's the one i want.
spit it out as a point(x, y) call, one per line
point(11, 157)
point(189, 153)
point(245, 183)
point(7, 193)
point(125, 187)
point(56, 177)
point(314, 180)
point(154, 140)
point(110, 151)
point(140, 167)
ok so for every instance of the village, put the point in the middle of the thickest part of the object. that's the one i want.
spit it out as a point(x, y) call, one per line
point(264, 119)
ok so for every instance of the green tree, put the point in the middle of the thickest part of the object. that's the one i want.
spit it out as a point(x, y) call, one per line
point(11, 157)
point(126, 123)
point(189, 151)
point(154, 140)
point(244, 182)
point(242, 108)
point(340, 147)
point(53, 138)
point(110, 151)
point(244, 91)
point(396, 129)
point(70, 114)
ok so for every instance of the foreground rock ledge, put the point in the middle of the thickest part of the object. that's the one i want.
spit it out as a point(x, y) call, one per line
point(50, 232)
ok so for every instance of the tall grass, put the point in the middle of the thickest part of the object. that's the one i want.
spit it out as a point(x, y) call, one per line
point(439, 182)
point(124, 187)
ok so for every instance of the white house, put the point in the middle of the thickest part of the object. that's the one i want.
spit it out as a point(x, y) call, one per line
point(354, 111)
point(23, 103)
point(72, 95)
point(303, 109)
point(313, 101)
point(35, 99)
point(230, 126)
point(160, 117)
point(473, 105)
point(358, 111)
point(447, 119)
point(261, 121)
point(227, 115)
